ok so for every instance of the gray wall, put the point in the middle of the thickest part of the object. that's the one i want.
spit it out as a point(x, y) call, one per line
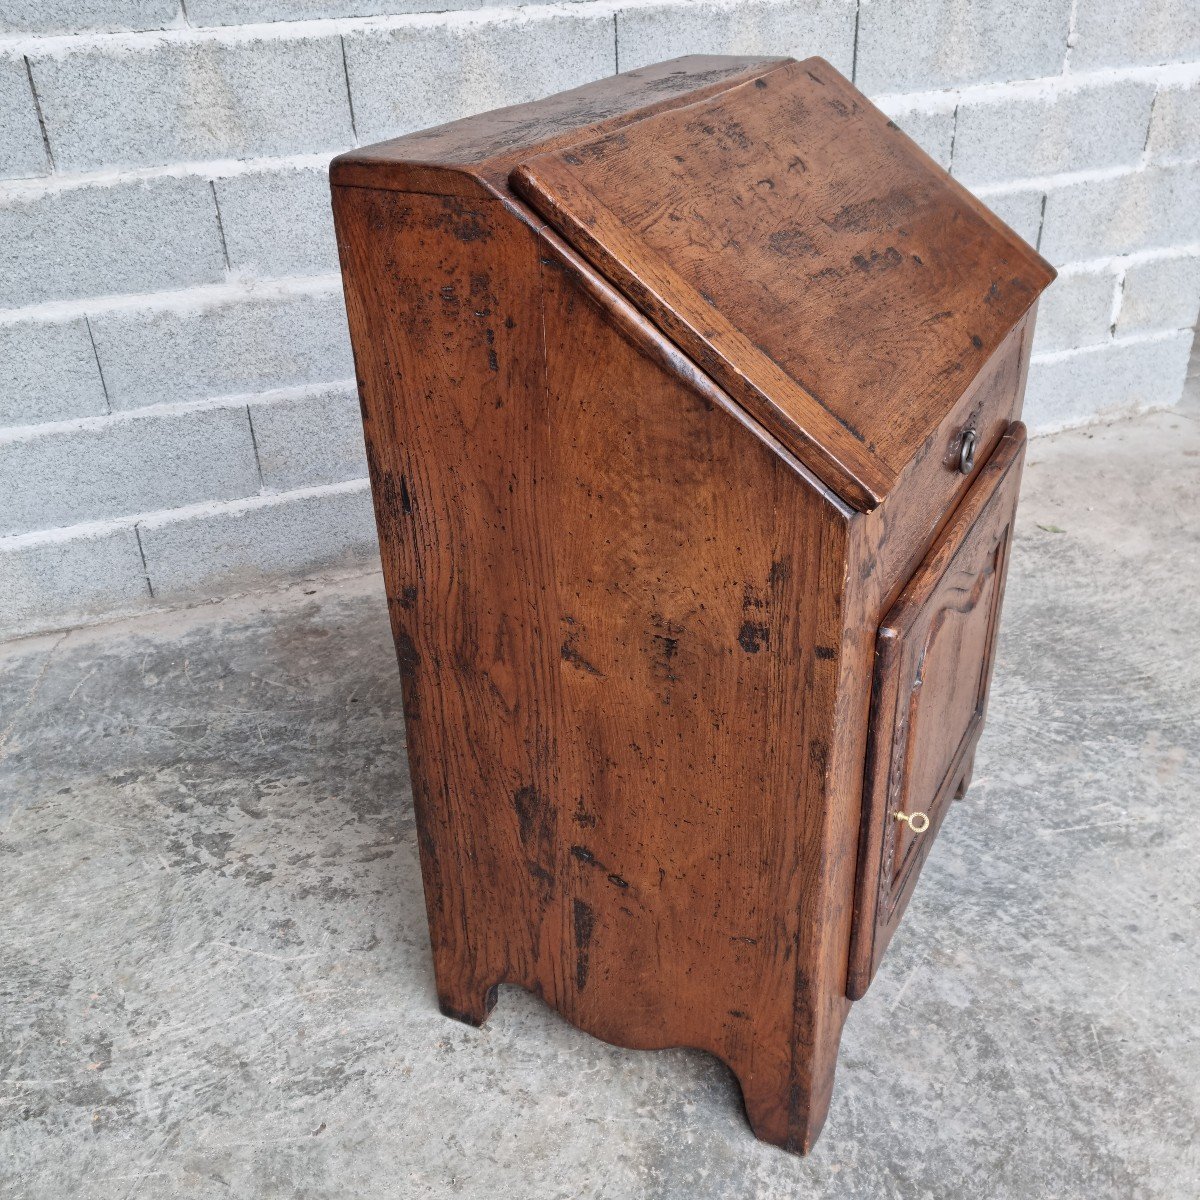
point(176, 402)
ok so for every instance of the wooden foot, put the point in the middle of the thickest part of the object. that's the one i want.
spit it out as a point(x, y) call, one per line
point(767, 1115)
point(788, 1109)
point(965, 780)
point(471, 1006)
point(774, 1120)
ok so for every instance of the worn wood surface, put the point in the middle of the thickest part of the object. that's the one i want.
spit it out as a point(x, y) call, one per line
point(870, 288)
point(475, 155)
point(619, 671)
point(635, 621)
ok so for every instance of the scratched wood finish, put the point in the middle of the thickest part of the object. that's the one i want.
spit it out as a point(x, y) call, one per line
point(635, 625)
point(481, 151)
point(857, 310)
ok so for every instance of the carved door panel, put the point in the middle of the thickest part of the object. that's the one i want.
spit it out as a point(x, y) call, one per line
point(933, 664)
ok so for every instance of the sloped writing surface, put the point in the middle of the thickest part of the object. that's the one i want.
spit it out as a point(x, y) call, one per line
point(485, 147)
point(799, 247)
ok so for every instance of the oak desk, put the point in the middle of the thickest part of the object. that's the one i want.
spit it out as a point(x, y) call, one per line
point(691, 403)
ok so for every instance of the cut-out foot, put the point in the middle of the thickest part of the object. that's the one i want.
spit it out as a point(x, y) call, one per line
point(784, 1116)
point(964, 781)
point(471, 1007)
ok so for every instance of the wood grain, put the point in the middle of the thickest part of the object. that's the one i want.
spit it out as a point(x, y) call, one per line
point(636, 618)
point(860, 307)
point(481, 151)
point(565, 637)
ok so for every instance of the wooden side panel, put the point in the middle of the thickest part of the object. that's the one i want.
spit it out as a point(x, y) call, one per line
point(618, 616)
point(688, 586)
point(444, 314)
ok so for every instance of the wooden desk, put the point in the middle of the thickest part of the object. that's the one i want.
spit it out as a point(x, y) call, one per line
point(691, 403)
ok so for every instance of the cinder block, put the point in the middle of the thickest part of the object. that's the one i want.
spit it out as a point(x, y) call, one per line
point(1151, 208)
point(237, 12)
point(92, 16)
point(250, 344)
point(193, 96)
point(1040, 133)
point(1175, 125)
point(1076, 310)
point(1117, 33)
point(22, 151)
point(56, 582)
point(119, 466)
point(1163, 294)
point(922, 45)
point(139, 236)
point(49, 372)
point(237, 547)
point(435, 68)
point(1020, 211)
point(307, 441)
point(1106, 381)
point(278, 222)
point(651, 33)
point(931, 128)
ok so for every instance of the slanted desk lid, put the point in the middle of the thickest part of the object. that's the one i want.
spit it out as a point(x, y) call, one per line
point(804, 252)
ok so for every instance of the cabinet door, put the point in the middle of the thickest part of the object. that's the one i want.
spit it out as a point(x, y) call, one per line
point(933, 664)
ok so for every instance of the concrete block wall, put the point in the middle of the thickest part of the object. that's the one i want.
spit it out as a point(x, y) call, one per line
point(177, 410)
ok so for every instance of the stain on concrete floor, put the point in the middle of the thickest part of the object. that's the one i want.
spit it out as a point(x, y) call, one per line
point(215, 978)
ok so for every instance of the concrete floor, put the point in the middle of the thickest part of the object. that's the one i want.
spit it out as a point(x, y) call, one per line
point(215, 979)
